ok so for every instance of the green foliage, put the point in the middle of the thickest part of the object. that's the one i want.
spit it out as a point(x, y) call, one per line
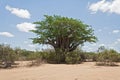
point(49, 57)
point(73, 58)
point(90, 56)
point(63, 33)
point(23, 54)
point(7, 55)
point(108, 57)
point(34, 56)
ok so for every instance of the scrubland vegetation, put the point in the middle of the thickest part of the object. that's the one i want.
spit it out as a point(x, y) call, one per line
point(8, 56)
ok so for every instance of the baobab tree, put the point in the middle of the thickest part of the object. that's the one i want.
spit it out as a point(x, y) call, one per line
point(63, 33)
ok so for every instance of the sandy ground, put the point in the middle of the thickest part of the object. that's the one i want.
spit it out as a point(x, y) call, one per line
point(85, 71)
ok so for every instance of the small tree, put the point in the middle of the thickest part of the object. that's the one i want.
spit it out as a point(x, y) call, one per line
point(63, 33)
point(101, 48)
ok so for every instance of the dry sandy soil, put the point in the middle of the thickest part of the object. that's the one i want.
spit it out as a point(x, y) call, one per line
point(85, 71)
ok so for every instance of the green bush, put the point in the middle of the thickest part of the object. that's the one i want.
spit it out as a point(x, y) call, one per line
point(108, 58)
point(91, 56)
point(7, 55)
point(69, 58)
point(73, 58)
point(49, 57)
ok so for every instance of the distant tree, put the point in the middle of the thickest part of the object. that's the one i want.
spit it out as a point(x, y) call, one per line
point(63, 33)
point(101, 48)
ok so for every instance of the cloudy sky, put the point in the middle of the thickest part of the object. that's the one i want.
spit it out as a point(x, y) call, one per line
point(17, 16)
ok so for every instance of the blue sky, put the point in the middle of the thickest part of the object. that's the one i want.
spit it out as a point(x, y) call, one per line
point(17, 16)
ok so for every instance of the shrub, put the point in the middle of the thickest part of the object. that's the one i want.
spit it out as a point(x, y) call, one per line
point(91, 56)
point(49, 57)
point(72, 58)
point(7, 55)
point(35, 58)
point(108, 58)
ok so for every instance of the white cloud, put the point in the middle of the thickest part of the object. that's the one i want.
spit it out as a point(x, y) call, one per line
point(31, 45)
point(115, 45)
point(22, 13)
point(112, 6)
point(101, 45)
point(116, 31)
point(26, 27)
point(7, 34)
point(118, 40)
